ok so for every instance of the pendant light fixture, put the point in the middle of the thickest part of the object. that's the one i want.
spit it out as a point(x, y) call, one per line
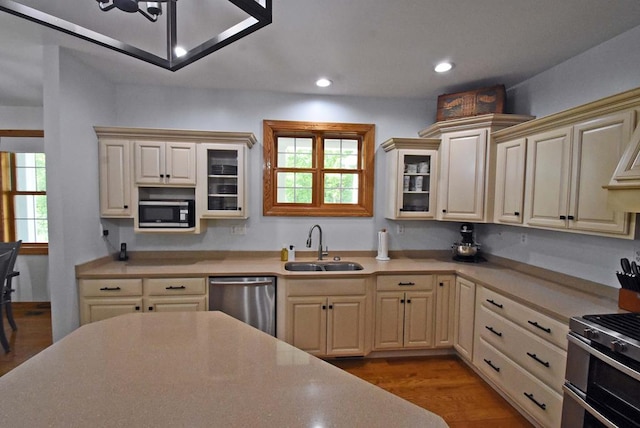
point(260, 12)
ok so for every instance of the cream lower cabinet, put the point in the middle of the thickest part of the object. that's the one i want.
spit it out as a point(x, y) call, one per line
point(404, 317)
point(523, 353)
point(566, 169)
point(464, 317)
point(106, 298)
point(174, 294)
point(327, 317)
point(445, 310)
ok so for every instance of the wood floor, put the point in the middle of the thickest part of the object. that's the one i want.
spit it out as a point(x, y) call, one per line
point(443, 385)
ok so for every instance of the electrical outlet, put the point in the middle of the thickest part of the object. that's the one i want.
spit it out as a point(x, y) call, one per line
point(103, 232)
point(400, 229)
point(239, 230)
point(523, 238)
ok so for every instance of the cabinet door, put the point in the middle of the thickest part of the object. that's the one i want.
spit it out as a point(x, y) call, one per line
point(598, 145)
point(389, 320)
point(464, 317)
point(149, 162)
point(418, 319)
point(415, 185)
point(307, 324)
point(461, 195)
point(222, 171)
point(548, 175)
point(445, 300)
point(97, 309)
point(175, 304)
point(180, 163)
point(510, 164)
point(346, 325)
point(115, 178)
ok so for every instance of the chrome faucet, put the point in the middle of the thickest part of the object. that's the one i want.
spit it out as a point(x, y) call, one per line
point(321, 253)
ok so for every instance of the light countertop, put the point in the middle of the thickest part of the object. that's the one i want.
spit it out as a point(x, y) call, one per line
point(548, 296)
point(191, 369)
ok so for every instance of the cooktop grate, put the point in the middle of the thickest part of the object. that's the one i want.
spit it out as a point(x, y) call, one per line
point(627, 324)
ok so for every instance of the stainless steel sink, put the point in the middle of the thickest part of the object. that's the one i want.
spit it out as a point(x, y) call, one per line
point(322, 266)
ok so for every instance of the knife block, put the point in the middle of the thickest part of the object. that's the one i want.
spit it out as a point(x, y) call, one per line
point(629, 300)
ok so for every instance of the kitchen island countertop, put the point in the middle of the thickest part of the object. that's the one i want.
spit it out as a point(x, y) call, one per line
point(191, 369)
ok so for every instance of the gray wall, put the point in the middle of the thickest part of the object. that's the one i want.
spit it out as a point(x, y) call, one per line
point(77, 98)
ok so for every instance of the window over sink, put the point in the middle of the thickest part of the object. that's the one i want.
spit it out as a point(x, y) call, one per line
point(318, 169)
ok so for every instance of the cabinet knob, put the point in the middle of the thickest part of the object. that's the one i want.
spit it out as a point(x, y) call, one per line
point(330, 306)
point(161, 175)
point(324, 307)
point(150, 308)
point(408, 300)
point(444, 211)
point(516, 213)
point(137, 308)
point(571, 217)
point(168, 175)
point(126, 206)
point(563, 217)
point(442, 284)
point(401, 300)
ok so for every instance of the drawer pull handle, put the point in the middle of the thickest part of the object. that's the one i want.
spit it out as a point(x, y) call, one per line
point(175, 287)
point(110, 289)
point(535, 324)
point(406, 284)
point(491, 365)
point(537, 403)
point(495, 304)
point(535, 357)
point(497, 333)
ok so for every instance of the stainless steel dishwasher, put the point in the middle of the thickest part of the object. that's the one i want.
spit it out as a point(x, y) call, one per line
point(249, 299)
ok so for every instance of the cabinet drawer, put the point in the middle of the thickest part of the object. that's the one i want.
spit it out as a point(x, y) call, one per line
point(110, 287)
point(536, 398)
point(404, 282)
point(542, 359)
point(541, 325)
point(173, 286)
point(327, 287)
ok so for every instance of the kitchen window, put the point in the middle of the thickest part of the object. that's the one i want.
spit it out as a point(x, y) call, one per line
point(318, 169)
point(24, 201)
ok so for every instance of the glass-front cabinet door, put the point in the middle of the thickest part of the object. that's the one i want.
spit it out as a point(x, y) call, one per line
point(413, 179)
point(222, 169)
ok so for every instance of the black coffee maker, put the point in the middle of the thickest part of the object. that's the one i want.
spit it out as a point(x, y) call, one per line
point(467, 250)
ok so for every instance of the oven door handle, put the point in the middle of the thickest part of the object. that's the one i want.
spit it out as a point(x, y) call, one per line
point(603, 357)
point(578, 396)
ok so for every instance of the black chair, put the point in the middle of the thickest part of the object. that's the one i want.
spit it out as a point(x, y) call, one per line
point(6, 259)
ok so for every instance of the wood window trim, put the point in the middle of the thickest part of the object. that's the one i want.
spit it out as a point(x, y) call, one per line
point(364, 132)
point(8, 229)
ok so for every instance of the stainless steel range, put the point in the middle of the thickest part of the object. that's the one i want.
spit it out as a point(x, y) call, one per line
point(602, 386)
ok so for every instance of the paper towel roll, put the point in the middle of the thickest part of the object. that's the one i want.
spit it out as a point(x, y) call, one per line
point(383, 245)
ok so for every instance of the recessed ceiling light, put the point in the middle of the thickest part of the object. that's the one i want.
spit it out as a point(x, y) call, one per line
point(323, 83)
point(443, 67)
point(179, 51)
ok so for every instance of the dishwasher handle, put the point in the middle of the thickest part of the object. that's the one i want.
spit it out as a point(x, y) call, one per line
point(250, 283)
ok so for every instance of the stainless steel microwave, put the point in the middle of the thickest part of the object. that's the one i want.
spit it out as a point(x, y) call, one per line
point(166, 214)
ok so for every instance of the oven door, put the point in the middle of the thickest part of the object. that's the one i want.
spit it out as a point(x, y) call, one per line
point(601, 390)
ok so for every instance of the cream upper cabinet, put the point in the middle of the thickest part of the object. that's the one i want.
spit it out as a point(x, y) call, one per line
point(566, 171)
point(465, 177)
point(412, 167)
point(510, 170)
point(461, 192)
point(115, 178)
point(165, 163)
point(223, 174)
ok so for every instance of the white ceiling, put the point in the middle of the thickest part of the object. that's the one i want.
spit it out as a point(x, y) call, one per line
point(367, 47)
